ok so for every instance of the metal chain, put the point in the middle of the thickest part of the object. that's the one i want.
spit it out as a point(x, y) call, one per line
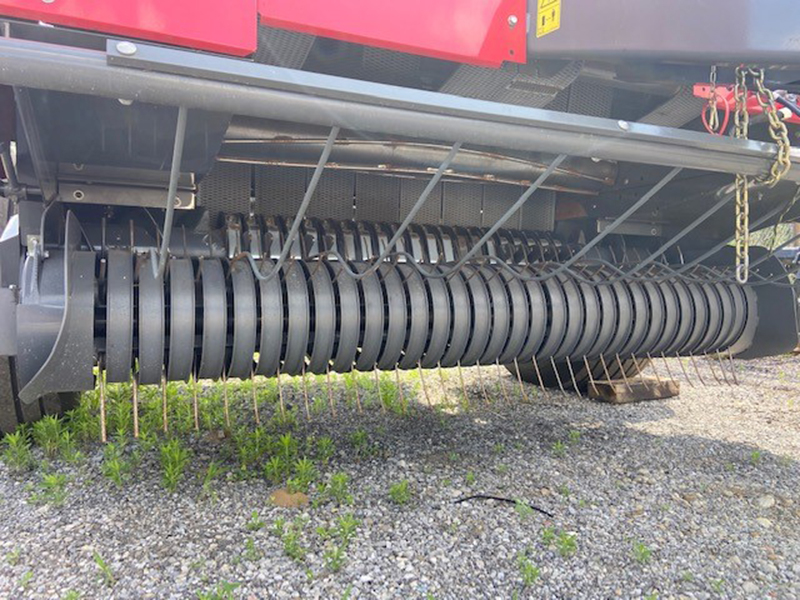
point(741, 126)
point(713, 111)
point(777, 129)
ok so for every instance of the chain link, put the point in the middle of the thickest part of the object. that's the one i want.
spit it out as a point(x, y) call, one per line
point(713, 111)
point(777, 129)
point(741, 126)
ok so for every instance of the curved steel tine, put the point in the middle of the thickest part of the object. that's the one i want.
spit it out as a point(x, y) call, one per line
point(711, 368)
point(733, 369)
point(538, 374)
point(694, 364)
point(463, 387)
point(399, 385)
point(255, 397)
point(572, 376)
point(669, 371)
point(500, 380)
point(655, 371)
point(638, 367)
point(624, 375)
point(589, 374)
point(483, 386)
point(722, 368)
point(522, 394)
point(378, 388)
point(605, 368)
point(558, 375)
point(444, 387)
point(280, 392)
point(135, 403)
point(102, 384)
point(683, 368)
point(424, 387)
point(330, 390)
point(355, 387)
point(304, 383)
point(164, 421)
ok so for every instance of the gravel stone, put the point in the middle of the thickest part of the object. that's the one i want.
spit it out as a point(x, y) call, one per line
point(690, 479)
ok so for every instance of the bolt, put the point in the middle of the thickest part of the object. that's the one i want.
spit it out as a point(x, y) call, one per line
point(654, 231)
point(126, 48)
point(48, 1)
point(624, 125)
point(78, 194)
point(125, 101)
point(512, 21)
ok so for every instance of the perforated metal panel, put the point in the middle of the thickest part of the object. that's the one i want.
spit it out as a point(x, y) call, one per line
point(279, 190)
point(282, 48)
point(677, 111)
point(377, 198)
point(511, 84)
point(431, 211)
point(588, 98)
point(496, 201)
point(539, 212)
point(226, 189)
point(334, 196)
point(462, 203)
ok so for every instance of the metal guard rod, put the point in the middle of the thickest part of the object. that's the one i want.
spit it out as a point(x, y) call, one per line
point(159, 263)
point(243, 88)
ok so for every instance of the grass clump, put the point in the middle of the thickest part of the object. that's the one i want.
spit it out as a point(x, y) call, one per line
point(223, 591)
point(400, 493)
point(115, 465)
point(527, 570)
point(17, 451)
point(52, 490)
point(336, 490)
point(174, 460)
point(641, 553)
point(105, 571)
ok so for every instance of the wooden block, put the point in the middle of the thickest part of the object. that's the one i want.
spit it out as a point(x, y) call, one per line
point(636, 390)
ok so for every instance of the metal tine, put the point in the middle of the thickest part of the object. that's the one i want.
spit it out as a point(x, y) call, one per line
point(683, 368)
point(483, 387)
point(317, 267)
point(572, 376)
point(463, 387)
point(135, 404)
point(164, 421)
point(330, 389)
point(225, 399)
point(638, 367)
point(711, 368)
point(733, 370)
point(722, 368)
point(444, 385)
point(103, 427)
point(255, 397)
point(195, 407)
point(655, 371)
point(624, 376)
point(538, 374)
point(694, 364)
point(669, 371)
point(522, 394)
point(424, 387)
point(500, 380)
point(338, 272)
point(378, 388)
point(589, 373)
point(399, 389)
point(558, 376)
point(304, 382)
point(355, 387)
point(605, 368)
point(280, 393)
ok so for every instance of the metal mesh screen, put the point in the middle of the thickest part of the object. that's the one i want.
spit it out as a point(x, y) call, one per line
point(377, 198)
point(226, 189)
point(462, 203)
point(431, 211)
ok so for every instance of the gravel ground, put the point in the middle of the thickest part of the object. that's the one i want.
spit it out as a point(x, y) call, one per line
point(693, 497)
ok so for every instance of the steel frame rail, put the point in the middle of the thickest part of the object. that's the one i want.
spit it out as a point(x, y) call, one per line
point(172, 77)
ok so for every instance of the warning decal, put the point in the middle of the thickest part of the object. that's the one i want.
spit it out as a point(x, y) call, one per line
point(548, 16)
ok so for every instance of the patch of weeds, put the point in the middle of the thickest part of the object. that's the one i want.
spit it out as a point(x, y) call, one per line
point(359, 439)
point(275, 470)
point(574, 436)
point(285, 420)
point(17, 451)
point(566, 544)
point(400, 493)
point(755, 457)
point(717, 585)
point(305, 473)
point(336, 490)
point(563, 490)
point(25, 580)
point(641, 553)
point(71, 595)
point(47, 434)
point(251, 553)
point(651, 596)
point(12, 557)
point(223, 591)
point(523, 510)
point(559, 449)
point(210, 475)
point(254, 523)
point(250, 448)
point(548, 536)
point(527, 570)
point(335, 555)
point(174, 460)
point(502, 469)
point(325, 449)
point(470, 478)
point(115, 465)
point(687, 577)
point(290, 535)
point(499, 448)
point(105, 571)
point(52, 490)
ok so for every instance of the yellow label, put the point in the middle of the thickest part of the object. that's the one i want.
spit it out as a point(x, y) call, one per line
point(548, 16)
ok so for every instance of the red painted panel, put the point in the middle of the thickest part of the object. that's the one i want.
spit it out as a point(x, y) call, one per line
point(470, 31)
point(228, 27)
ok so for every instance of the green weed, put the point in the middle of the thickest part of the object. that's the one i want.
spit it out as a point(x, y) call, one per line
point(17, 451)
point(105, 571)
point(641, 553)
point(174, 460)
point(223, 591)
point(527, 570)
point(400, 493)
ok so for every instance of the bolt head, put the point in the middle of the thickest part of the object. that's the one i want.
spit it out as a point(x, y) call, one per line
point(624, 125)
point(512, 21)
point(126, 48)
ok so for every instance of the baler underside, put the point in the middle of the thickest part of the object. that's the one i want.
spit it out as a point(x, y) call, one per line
point(180, 215)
